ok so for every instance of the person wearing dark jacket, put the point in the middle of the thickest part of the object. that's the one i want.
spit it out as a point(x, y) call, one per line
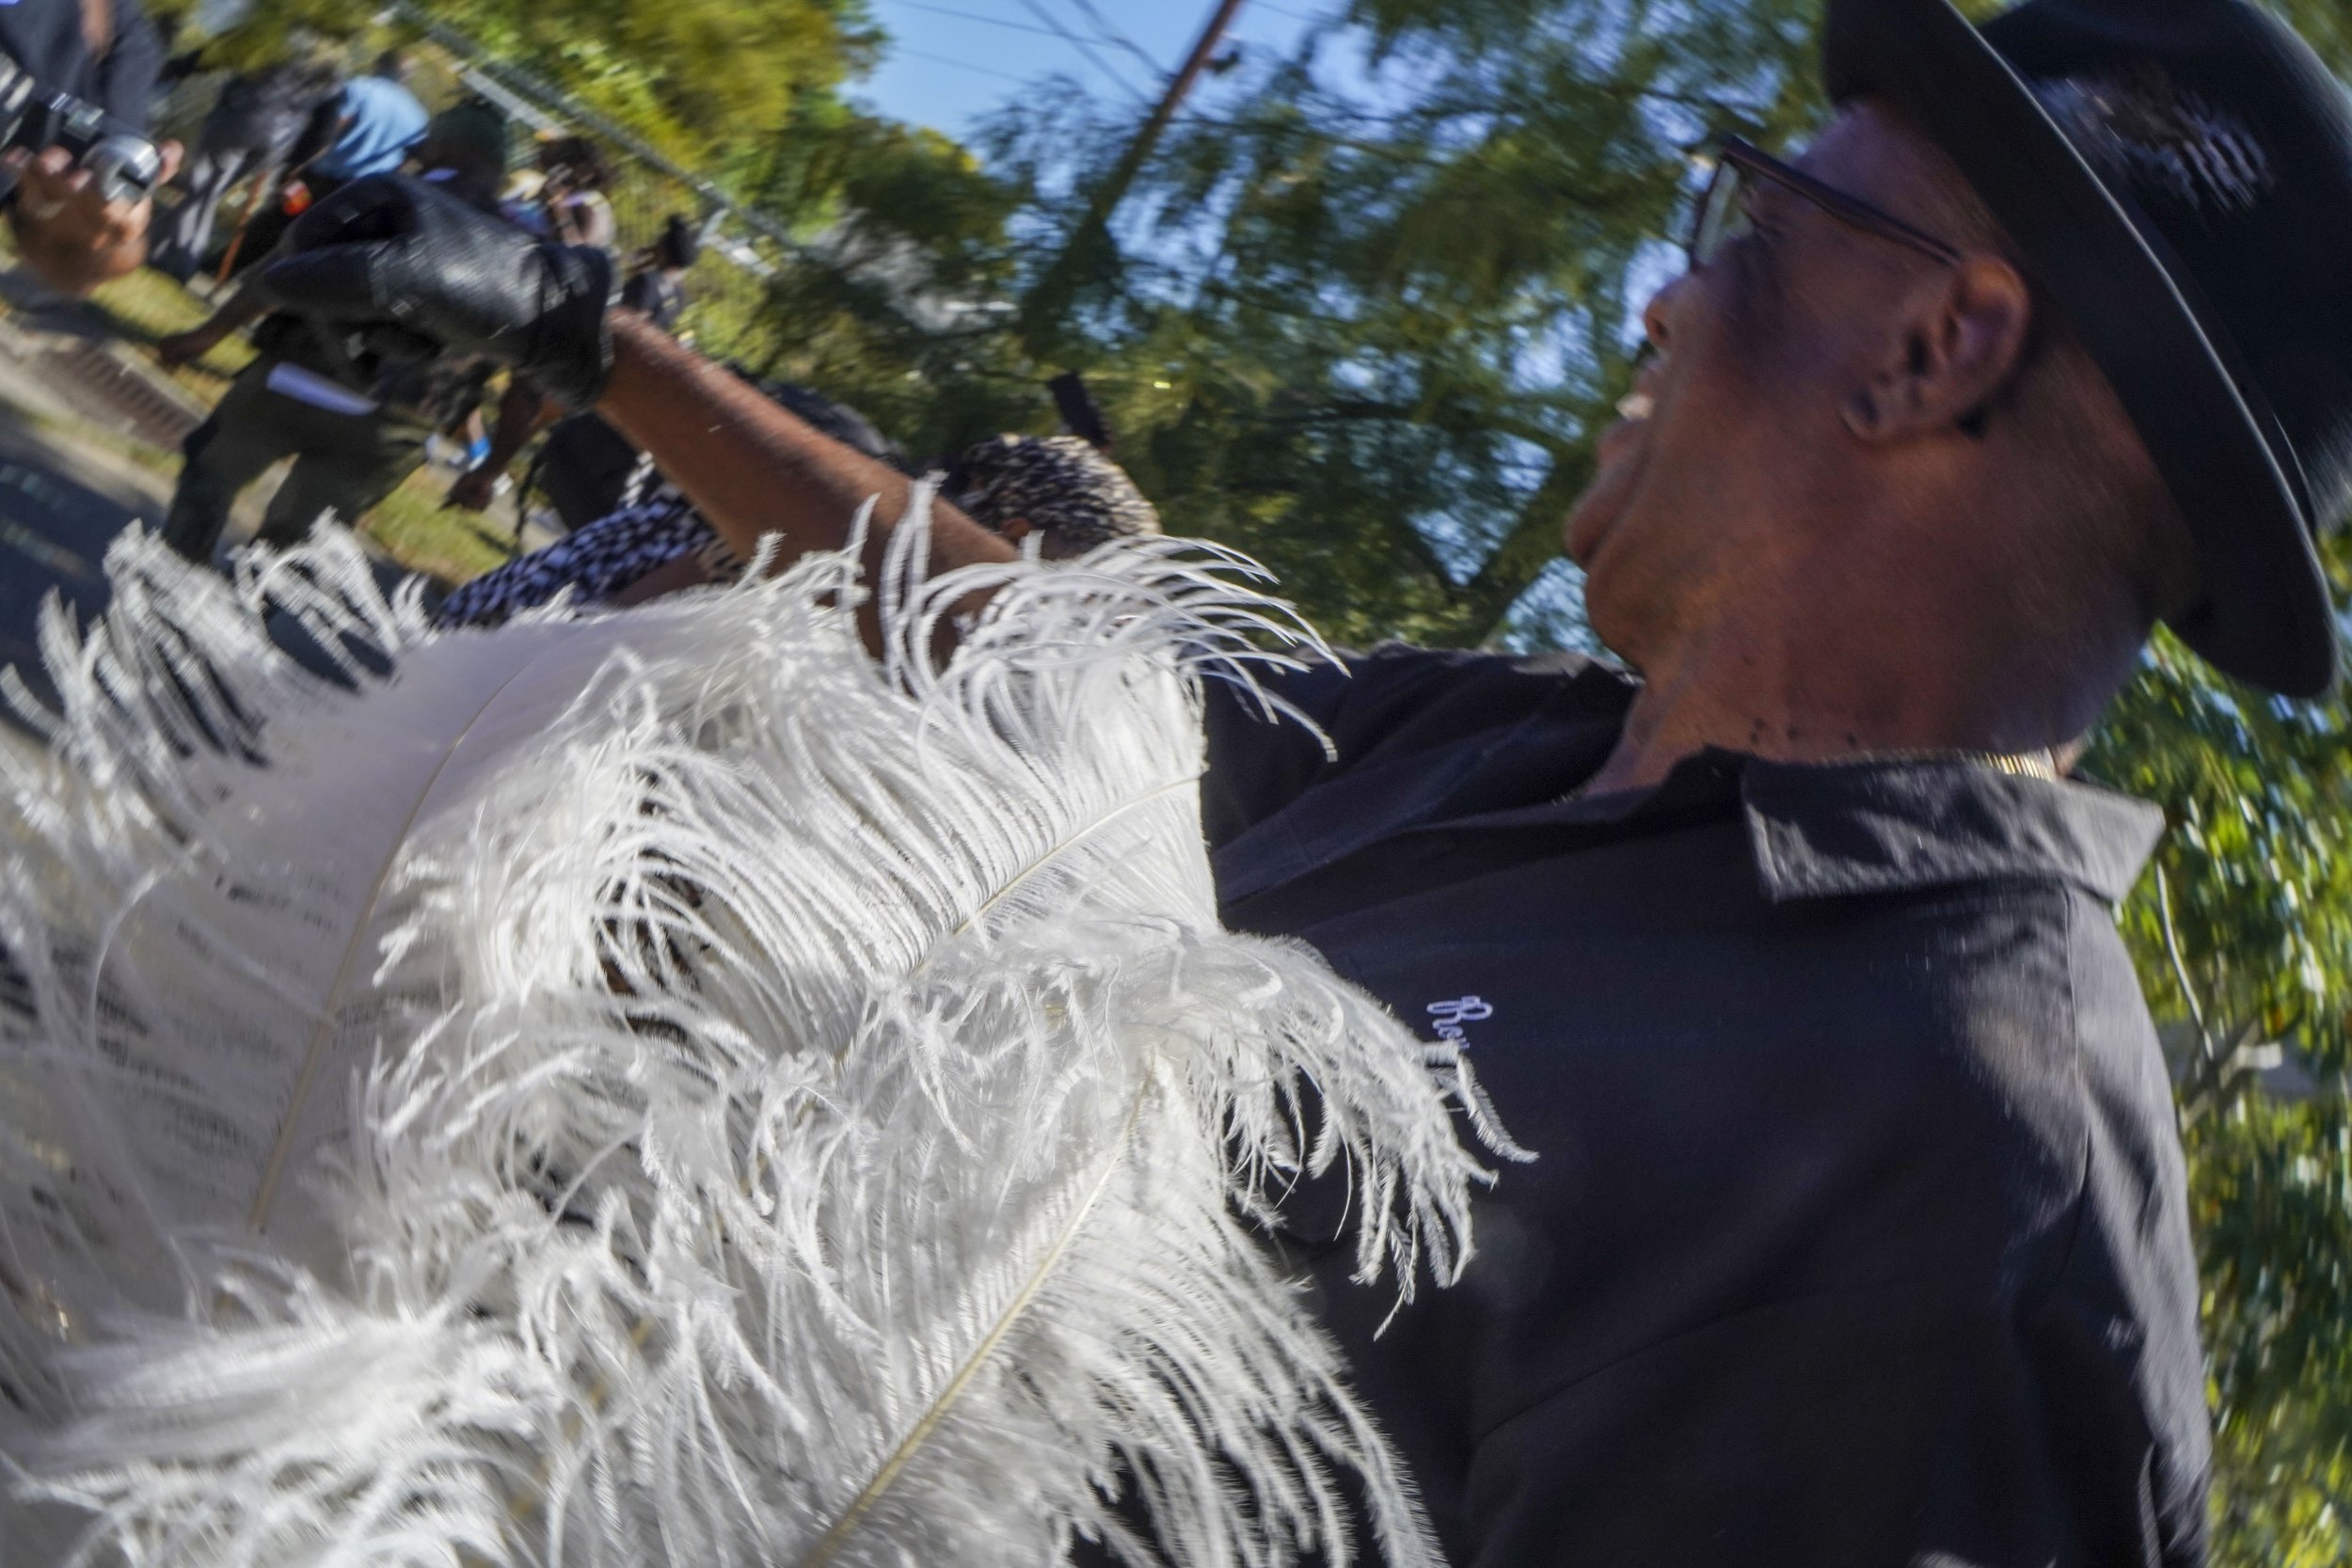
point(247, 133)
point(105, 53)
point(586, 469)
point(1858, 1235)
point(355, 422)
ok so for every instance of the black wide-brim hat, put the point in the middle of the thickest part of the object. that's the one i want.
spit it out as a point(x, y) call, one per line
point(2177, 177)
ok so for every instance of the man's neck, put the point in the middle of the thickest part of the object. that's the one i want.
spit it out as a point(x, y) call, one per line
point(1825, 683)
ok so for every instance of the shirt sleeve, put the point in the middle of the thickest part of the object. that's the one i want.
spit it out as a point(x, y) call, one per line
point(128, 75)
point(1264, 753)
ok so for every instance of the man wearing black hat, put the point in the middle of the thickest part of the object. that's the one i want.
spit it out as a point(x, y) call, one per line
point(1858, 1234)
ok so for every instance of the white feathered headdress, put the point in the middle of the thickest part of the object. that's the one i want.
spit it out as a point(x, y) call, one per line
point(671, 1088)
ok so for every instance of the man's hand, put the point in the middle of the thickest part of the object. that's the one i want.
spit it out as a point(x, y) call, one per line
point(428, 270)
point(474, 489)
point(70, 234)
point(187, 348)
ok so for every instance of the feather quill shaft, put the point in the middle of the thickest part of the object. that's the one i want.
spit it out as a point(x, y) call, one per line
point(1056, 852)
point(830, 1544)
point(275, 1167)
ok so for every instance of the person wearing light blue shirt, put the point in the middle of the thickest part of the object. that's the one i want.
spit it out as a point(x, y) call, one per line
point(377, 121)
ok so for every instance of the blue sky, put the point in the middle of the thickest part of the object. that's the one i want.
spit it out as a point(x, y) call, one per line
point(952, 61)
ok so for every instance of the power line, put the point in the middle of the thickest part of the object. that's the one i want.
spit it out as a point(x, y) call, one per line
point(975, 16)
point(1083, 47)
point(1049, 298)
point(960, 65)
point(1109, 34)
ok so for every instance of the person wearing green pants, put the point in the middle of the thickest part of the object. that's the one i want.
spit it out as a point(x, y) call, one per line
point(347, 458)
point(356, 427)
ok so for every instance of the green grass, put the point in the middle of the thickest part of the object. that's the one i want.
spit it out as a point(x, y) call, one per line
point(147, 306)
point(412, 526)
point(417, 530)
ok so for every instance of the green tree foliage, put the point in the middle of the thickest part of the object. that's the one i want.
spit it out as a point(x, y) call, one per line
point(703, 80)
point(2244, 938)
point(697, 78)
point(1382, 312)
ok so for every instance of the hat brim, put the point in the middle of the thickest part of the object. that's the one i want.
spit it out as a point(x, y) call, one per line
point(2264, 615)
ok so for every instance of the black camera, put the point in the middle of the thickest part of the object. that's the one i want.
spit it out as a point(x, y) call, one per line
point(122, 167)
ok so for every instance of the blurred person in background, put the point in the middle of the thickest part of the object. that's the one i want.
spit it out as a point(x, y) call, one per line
point(355, 425)
point(602, 558)
point(107, 53)
point(656, 286)
point(248, 133)
point(586, 469)
point(566, 202)
point(369, 127)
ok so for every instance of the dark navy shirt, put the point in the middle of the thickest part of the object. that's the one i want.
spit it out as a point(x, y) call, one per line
point(1857, 1234)
point(46, 38)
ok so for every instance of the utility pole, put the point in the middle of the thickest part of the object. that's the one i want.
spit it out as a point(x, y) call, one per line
point(1090, 246)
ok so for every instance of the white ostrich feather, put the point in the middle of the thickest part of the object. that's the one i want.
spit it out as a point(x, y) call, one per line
point(670, 1089)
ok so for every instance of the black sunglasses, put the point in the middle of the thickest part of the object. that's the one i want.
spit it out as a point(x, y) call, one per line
point(1723, 215)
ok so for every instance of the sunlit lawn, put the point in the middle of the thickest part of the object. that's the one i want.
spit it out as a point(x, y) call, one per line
point(147, 306)
point(417, 532)
point(412, 526)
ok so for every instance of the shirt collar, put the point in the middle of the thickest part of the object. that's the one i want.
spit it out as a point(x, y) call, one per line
point(1832, 830)
point(1816, 831)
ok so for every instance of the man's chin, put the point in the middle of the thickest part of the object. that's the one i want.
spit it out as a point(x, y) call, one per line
point(1600, 511)
point(1592, 518)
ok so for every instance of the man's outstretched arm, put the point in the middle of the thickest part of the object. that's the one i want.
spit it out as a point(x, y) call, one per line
point(754, 470)
point(415, 265)
point(239, 311)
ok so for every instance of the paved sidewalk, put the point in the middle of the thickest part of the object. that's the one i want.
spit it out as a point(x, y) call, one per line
point(87, 448)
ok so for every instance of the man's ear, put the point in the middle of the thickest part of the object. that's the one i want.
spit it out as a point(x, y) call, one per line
point(1958, 342)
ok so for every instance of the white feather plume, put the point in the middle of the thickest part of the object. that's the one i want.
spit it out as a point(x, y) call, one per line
point(671, 1088)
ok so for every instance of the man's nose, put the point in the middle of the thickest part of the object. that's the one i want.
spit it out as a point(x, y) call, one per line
point(1656, 316)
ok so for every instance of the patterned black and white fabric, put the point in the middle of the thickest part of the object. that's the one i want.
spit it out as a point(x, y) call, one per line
point(592, 563)
point(1071, 494)
point(1061, 487)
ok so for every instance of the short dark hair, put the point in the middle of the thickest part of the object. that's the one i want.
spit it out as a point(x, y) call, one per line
point(583, 158)
point(393, 64)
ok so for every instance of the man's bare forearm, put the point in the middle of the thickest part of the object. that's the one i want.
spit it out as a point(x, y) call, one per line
point(238, 312)
point(754, 470)
point(522, 414)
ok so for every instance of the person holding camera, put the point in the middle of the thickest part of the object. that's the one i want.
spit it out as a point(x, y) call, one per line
point(71, 231)
point(354, 423)
point(587, 470)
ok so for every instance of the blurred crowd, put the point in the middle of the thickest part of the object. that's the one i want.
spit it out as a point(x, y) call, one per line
point(357, 422)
